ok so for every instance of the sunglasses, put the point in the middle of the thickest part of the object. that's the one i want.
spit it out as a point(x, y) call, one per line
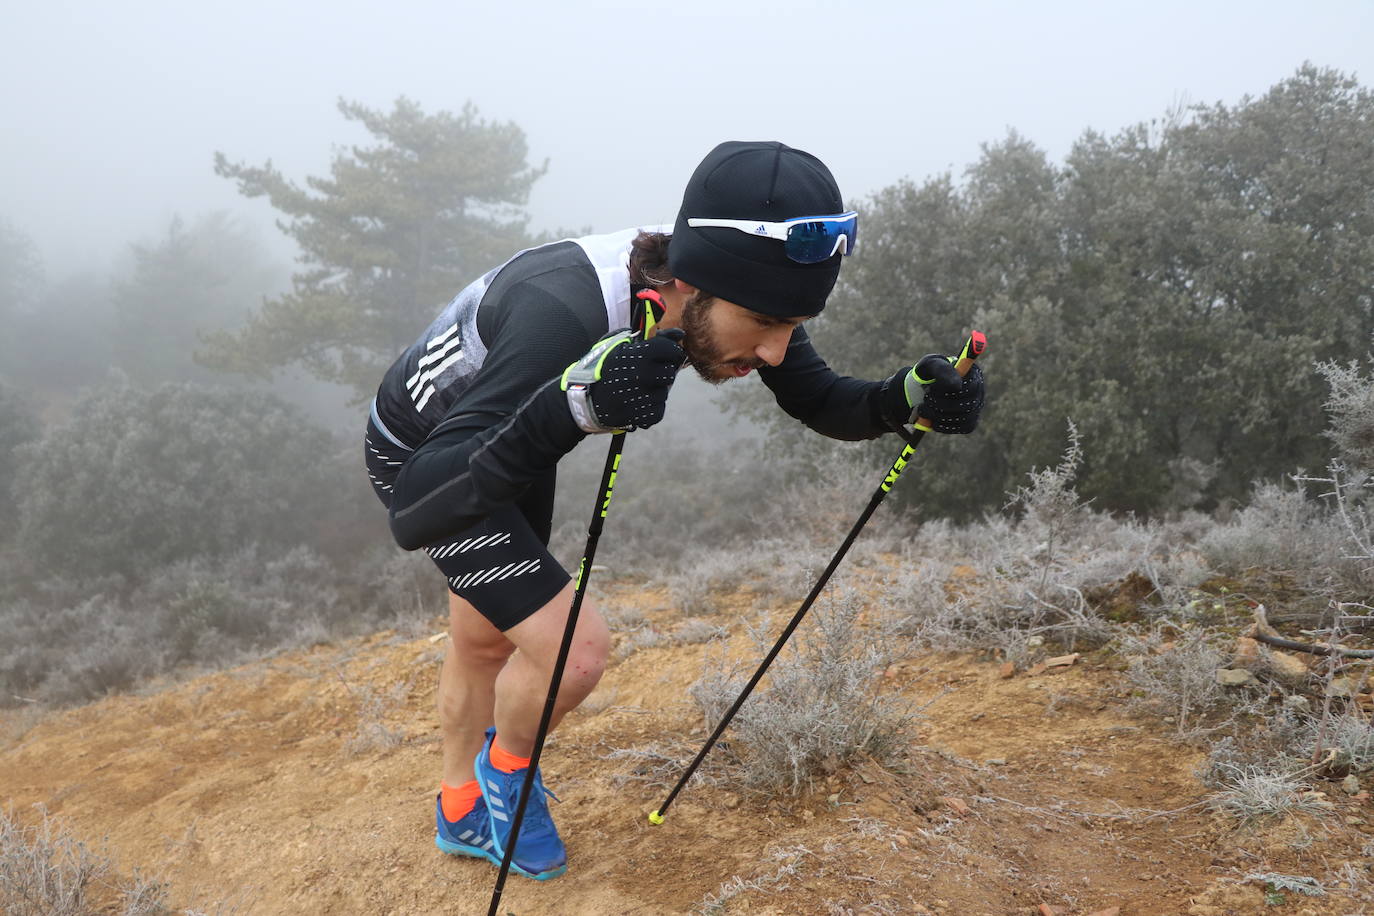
point(806, 239)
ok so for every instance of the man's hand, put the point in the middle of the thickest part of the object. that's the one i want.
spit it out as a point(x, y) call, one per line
point(622, 383)
point(932, 389)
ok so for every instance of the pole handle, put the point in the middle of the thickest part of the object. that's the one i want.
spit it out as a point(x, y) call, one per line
point(647, 321)
point(972, 349)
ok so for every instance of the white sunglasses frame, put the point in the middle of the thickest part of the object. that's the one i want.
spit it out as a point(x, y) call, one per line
point(777, 231)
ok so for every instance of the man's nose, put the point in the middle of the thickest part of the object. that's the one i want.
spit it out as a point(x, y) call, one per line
point(774, 346)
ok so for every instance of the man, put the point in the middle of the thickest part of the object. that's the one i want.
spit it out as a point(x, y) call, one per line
point(470, 422)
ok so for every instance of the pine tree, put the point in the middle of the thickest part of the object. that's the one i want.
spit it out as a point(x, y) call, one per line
point(394, 232)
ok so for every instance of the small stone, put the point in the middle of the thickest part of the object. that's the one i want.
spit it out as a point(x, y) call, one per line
point(833, 799)
point(1060, 661)
point(1287, 668)
point(1345, 686)
point(958, 806)
point(1035, 642)
point(1296, 702)
point(1247, 654)
point(1235, 677)
point(1354, 821)
point(1351, 785)
point(996, 761)
point(1007, 670)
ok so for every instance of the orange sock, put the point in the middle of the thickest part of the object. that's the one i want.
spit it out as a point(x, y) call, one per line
point(457, 803)
point(505, 761)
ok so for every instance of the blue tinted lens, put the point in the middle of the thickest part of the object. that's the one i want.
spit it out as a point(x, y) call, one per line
point(812, 241)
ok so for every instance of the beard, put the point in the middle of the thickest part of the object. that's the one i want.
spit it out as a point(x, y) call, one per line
point(703, 349)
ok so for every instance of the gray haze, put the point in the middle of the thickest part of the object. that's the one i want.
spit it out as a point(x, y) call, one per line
point(111, 112)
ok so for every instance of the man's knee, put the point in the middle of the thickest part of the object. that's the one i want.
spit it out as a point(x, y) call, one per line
point(480, 656)
point(587, 656)
point(541, 636)
point(475, 643)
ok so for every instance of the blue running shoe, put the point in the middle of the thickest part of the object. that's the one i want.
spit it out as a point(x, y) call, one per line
point(539, 853)
point(470, 835)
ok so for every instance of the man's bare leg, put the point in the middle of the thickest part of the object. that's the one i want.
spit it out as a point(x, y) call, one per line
point(522, 687)
point(467, 686)
point(482, 683)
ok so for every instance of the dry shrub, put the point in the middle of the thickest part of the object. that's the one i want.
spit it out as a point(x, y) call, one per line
point(820, 706)
point(1173, 673)
point(44, 871)
point(1252, 796)
point(1281, 530)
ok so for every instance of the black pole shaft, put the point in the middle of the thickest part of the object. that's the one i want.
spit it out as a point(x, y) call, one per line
point(972, 349)
point(913, 439)
point(584, 572)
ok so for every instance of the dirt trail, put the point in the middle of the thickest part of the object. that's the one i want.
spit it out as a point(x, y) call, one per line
point(304, 784)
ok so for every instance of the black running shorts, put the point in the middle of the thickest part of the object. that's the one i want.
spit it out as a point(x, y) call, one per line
point(502, 565)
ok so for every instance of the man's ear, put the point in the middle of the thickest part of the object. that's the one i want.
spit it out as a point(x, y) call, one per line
point(684, 287)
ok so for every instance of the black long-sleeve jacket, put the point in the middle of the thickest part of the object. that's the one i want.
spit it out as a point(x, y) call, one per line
point(476, 402)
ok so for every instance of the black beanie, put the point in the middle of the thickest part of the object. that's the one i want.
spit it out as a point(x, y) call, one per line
point(764, 181)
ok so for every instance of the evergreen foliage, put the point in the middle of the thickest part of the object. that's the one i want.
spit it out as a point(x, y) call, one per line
point(394, 232)
point(21, 283)
point(1170, 289)
point(136, 479)
point(21, 271)
point(195, 278)
point(18, 426)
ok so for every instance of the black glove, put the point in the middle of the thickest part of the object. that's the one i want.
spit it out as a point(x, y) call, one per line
point(933, 389)
point(623, 382)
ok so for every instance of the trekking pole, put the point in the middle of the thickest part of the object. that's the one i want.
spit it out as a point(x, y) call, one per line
point(653, 310)
point(973, 348)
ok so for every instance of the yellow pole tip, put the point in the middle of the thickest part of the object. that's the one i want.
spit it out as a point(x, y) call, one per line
point(655, 818)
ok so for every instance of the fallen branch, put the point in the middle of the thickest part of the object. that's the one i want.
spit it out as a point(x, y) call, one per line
point(1264, 633)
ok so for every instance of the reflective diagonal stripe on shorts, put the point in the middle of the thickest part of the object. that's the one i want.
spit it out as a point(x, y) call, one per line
point(448, 550)
point(495, 574)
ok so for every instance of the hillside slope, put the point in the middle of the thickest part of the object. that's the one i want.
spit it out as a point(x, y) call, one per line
point(304, 784)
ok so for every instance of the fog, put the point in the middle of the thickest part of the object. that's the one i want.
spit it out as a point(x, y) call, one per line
point(204, 500)
point(111, 112)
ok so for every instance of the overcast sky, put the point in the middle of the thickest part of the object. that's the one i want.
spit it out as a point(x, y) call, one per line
point(111, 112)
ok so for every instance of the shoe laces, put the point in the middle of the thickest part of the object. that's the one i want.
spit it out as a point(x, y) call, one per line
point(537, 823)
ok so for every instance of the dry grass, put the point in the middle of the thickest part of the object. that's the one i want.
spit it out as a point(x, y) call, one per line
point(820, 705)
point(44, 871)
